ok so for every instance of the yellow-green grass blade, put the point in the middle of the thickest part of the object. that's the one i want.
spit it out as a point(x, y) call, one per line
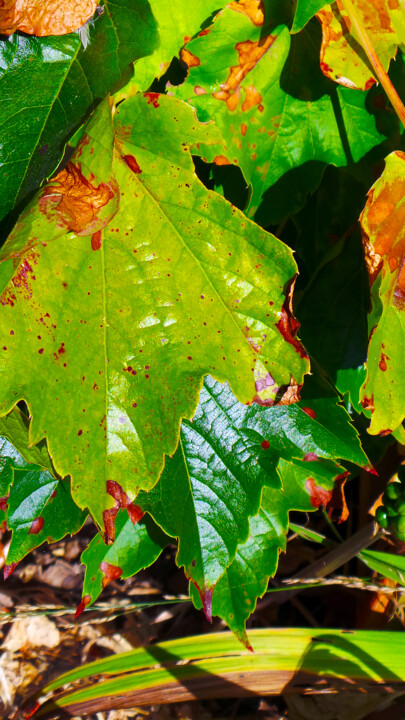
point(285, 660)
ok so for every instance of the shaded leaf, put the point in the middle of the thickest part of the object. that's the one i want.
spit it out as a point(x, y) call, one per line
point(48, 86)
point(40, 508)
point(276, 111)
point(15, 427)
point(387, 564)
point(382, 221)
point(45, 17)
point(342, 56)
point(204, 289)
point(136, 546)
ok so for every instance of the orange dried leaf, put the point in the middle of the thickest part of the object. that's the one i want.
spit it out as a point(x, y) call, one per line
point(44, 17)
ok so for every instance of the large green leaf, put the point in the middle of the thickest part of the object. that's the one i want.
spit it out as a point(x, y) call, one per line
point(256, 560)
point(382, 220)
point(281, 120)
point(136, 546)
point(49, 85)
point(155, 284)
point(212, 486)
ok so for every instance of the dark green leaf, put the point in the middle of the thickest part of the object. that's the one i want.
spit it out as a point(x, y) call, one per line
point(136, 546)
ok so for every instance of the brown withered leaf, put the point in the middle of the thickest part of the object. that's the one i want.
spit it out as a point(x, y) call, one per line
point(44, 17)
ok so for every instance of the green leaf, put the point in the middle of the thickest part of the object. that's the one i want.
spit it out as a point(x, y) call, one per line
point(136, 546)
point(282, 122)
point(387, 564)
point(40, 508)
point(48, 86)
point(305, 10)
point(173, 284)
point(383, 391)
point(210, 488)
point(15, 427)
point(177, 22)
point(235, 595)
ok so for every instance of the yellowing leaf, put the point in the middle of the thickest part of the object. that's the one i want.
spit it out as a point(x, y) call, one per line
point(123, 291)
point(45, 17)
point(383, 226)
point(342, 56)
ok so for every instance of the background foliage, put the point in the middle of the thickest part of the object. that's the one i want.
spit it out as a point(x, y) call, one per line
point(211, 166)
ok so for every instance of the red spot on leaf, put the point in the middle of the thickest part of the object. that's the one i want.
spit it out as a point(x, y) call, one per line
point(132, 164)
point(206, 599)
point(319, 496)
point(121, 501)
point(8, 569)
point(110, 572)
point(383, 364)
point(36, 526)
point(310, 412)
point(265, 444)
point(30, 710)
point(86, 600)
point(204, 32)
point(368, 403)
point(288, 327)
point(310, 457)
point(326, 69)
point(369, 83)
point(152, 99)
point(243, 128)
point(96, 240)
point(3, 502)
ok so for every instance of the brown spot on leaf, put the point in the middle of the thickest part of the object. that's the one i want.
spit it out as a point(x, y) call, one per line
point(221, 160)
point(110, 572)
point(188, 58)
point(96, 240)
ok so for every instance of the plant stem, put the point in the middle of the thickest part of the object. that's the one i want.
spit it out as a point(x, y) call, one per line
point(368, 48)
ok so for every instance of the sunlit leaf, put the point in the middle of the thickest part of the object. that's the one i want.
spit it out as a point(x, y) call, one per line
point(280, 119)
point(158, 284)
point(382, 220)
point(342, 56)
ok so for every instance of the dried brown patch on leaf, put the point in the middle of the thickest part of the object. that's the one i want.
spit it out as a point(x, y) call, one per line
point(81, 207)
point(45, 17)
point(250, 53)
point(254, 9)
point(383, 223)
